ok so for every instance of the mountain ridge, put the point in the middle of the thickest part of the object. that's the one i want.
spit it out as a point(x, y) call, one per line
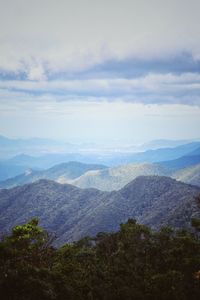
point(72, 212)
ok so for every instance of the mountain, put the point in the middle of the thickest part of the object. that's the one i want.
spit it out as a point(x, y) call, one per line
point(61, 173)
point(7, 142)
point(44, 161)
point(9, 170)
point(10, 146)
point(165, 153)
point(115, 178)
point(189, 175)
point(108, 157)
point(191, 159)
point(110, 179)
point(195, 152)
point(23, 159)
point(151, 156)
point(72, 212)
point(163, 143)
point(99, 176)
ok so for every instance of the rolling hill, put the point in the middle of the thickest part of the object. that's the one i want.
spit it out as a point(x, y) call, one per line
point(115, 178)
point(153, 156)
point(61, 173)
point(191, 159)
point(72, 212)
point(96, 175)
point(8, 170)
point(189, 175)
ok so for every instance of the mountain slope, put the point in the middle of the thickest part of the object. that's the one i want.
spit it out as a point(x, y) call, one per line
point(20, 163)
point(8, 170)
point(158, 155)
point(115, 178)
point(72, 213)
point(163, 143)
point(189, 175)
point(190, 159)
point(61, 173)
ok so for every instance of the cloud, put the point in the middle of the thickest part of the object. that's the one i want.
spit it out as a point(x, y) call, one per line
point(37, 73)
point(150, 89)
point(68, 36)
point(127, 51)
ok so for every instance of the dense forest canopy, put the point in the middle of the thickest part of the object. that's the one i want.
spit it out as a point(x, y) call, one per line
point(133, 263)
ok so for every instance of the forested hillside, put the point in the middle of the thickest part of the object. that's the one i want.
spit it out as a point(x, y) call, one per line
point(72, 213)
point(133, 263)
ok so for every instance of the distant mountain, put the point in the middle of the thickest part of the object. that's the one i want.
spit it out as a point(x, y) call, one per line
point(32, 146)
point(9, 170)
point(23, 159)
point(72, 213)
point(195, 152)
point(43, 161)
point(189, 175)
point(164, 153)
point(151, 156)
point(58, 153)
point(7, 142)
point(163, 143)
point(61, 173)
point(191, 159)
point(177, 155)
point(117, 177)
point(109, 179)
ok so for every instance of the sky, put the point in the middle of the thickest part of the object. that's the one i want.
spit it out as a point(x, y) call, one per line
point(90, 70)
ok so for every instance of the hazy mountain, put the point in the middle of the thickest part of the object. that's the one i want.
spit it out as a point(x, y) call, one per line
point(115, 178)
point(10, 147)
point(109, 157)
point(9, 170)
point(189, 175)
point(44, 161)
point(33, 146)
point(7, 142)
point(23, 159)
point(22, 162)
point(191, 159)
point(109, 179)
point(61, 173)
point(196, 152)
point(163, 143)
point(72, 213)
point(164, 153)
point(15, 166)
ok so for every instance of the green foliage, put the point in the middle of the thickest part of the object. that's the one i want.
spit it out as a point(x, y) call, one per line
point(25, 257)
point(133, 263)
point(196, 223)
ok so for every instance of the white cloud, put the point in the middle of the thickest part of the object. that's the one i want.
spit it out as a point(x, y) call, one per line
point(73, 35)
point(152, 88)
point(37, 73)
point(42, 40)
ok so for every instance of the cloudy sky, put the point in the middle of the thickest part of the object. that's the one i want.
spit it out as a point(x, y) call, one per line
point(126, 70)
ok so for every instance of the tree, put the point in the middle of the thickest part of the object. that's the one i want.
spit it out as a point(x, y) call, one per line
point(26, 258)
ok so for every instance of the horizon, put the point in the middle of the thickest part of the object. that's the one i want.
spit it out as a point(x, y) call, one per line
point(100, 142)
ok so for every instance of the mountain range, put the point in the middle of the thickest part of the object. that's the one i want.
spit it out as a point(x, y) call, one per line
point(72, 213)
point(110, 158)
point(190, 159)
point(116, 177)
point(61, 173)
point(104, 178)
point(24, 169)
point(189, 175)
